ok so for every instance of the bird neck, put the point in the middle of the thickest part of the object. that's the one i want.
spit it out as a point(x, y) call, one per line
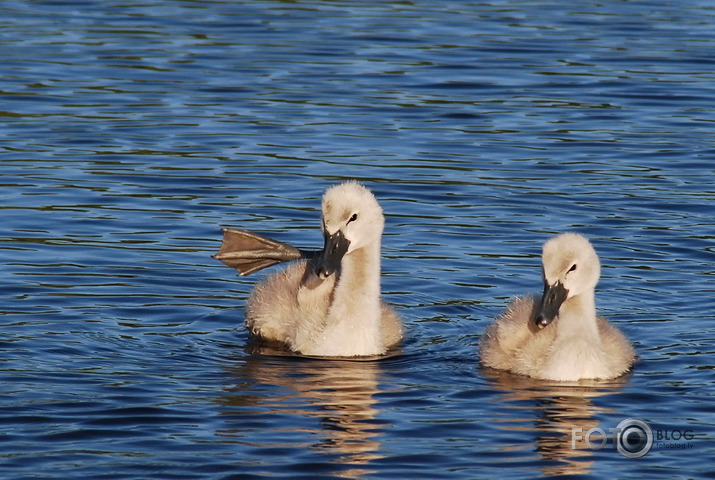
point(357, 294)
point(577, 317)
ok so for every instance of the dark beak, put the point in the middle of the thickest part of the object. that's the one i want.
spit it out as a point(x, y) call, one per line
point(554, 296)
point(336, 245)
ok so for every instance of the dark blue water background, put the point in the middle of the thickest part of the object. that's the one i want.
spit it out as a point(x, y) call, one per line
point(132, 131)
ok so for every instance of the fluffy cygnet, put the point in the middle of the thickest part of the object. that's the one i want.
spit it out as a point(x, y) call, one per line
point(332, 307)
point(559, 336)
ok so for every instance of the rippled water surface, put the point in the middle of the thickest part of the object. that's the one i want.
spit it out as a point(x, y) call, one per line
point(132, 131)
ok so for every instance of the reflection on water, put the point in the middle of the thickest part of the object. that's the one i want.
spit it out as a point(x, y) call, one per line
point(554, 409)
point(339, 394)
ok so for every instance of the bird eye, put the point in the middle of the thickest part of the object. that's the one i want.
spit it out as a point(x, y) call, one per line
point(573, 267)
point(352, 218)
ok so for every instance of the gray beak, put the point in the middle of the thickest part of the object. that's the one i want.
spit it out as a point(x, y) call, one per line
point(554, 296)
point(336, 245)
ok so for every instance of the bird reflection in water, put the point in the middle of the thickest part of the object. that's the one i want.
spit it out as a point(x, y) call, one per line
point(340, 394)
point(554, 409)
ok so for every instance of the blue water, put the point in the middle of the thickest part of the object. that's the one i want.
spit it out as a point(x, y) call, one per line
point(132, 131)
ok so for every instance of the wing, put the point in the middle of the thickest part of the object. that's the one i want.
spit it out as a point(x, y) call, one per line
point(249, 252)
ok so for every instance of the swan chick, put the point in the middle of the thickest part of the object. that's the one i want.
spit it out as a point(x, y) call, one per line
point(559, 336)
point(331, 307)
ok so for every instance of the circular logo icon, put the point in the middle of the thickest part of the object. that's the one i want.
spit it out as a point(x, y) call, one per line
point(634, 438)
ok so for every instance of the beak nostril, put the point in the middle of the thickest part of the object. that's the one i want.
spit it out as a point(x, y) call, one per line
point(551, 300)
point(336, 246)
